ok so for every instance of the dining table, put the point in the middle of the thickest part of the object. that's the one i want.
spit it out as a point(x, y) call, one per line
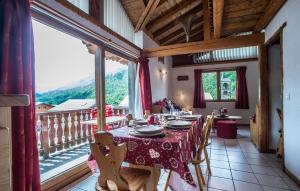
point(173, 151)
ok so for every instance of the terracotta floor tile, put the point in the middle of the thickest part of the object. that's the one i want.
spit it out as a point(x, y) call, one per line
point(240, 167)
point(273, 181)
point(221, 183)
point(221, 172)
point(245, 186)
point(244, 176)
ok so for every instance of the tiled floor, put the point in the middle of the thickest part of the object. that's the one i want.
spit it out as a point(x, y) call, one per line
point(236, 166)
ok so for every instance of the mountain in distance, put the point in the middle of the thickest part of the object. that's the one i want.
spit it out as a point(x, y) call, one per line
point(80, 83)
point(116, 89)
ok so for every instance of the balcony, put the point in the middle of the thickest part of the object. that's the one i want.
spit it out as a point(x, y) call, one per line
point(63, 139)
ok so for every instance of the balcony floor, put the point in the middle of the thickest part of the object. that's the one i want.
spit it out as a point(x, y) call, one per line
point(61, 160)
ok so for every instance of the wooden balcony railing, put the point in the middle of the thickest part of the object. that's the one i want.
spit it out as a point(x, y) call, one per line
point(62, 130)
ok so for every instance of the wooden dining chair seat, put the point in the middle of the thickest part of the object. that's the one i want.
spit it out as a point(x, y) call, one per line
point(109, 157)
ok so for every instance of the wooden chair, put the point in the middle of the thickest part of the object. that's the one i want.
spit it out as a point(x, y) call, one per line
point(210, 121)
point(198, 158)
point(109, 158)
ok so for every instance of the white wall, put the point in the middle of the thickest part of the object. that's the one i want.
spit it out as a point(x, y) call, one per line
point(183, 91)
point(160, 85)
point(275, 101)
point(291, 89)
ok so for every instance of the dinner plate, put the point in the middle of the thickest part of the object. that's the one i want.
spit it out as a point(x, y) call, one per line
point(224, 116)
point(149, 129)
point(171, 118)
point(188, 117)
point(140, 122)
point(179, 123)
point(177, 127)
point(137, 134)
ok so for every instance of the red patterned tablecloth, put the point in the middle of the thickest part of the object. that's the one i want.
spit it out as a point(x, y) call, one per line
point(173, 151)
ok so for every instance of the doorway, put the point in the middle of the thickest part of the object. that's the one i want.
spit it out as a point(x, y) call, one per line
point(275, 100)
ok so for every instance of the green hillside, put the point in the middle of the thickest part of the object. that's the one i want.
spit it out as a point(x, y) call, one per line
point(116, 89)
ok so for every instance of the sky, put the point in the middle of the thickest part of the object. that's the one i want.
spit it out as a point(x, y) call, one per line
point(61, 59)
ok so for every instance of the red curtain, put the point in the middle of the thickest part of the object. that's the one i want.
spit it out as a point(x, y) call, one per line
point(17, 77)
point(199, 99)
point(241, 89)
point(144, 75)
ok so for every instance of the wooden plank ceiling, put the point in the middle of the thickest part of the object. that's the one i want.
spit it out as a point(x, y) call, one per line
point(171, 21)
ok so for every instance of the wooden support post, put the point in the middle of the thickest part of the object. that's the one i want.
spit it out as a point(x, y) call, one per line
point(100, 86)
point(263, 139)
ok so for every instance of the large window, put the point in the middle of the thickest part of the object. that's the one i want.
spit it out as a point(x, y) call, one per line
point(219, 85)
point(65, 95)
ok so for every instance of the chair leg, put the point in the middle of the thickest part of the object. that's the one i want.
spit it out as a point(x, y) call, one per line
point(199, 177)
point(145, 188)
point(207, 161)
point(167, 183)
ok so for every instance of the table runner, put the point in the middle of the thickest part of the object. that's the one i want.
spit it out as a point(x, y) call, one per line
point(173, 152)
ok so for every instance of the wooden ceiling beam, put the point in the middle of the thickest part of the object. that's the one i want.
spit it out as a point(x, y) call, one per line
point(271, 10)
point(206, 45)
point(218, 6)
point(172, 14)
point(206, 20)
point(150, 8)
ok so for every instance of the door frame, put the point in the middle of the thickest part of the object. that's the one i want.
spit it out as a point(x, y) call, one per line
point(278, 35)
